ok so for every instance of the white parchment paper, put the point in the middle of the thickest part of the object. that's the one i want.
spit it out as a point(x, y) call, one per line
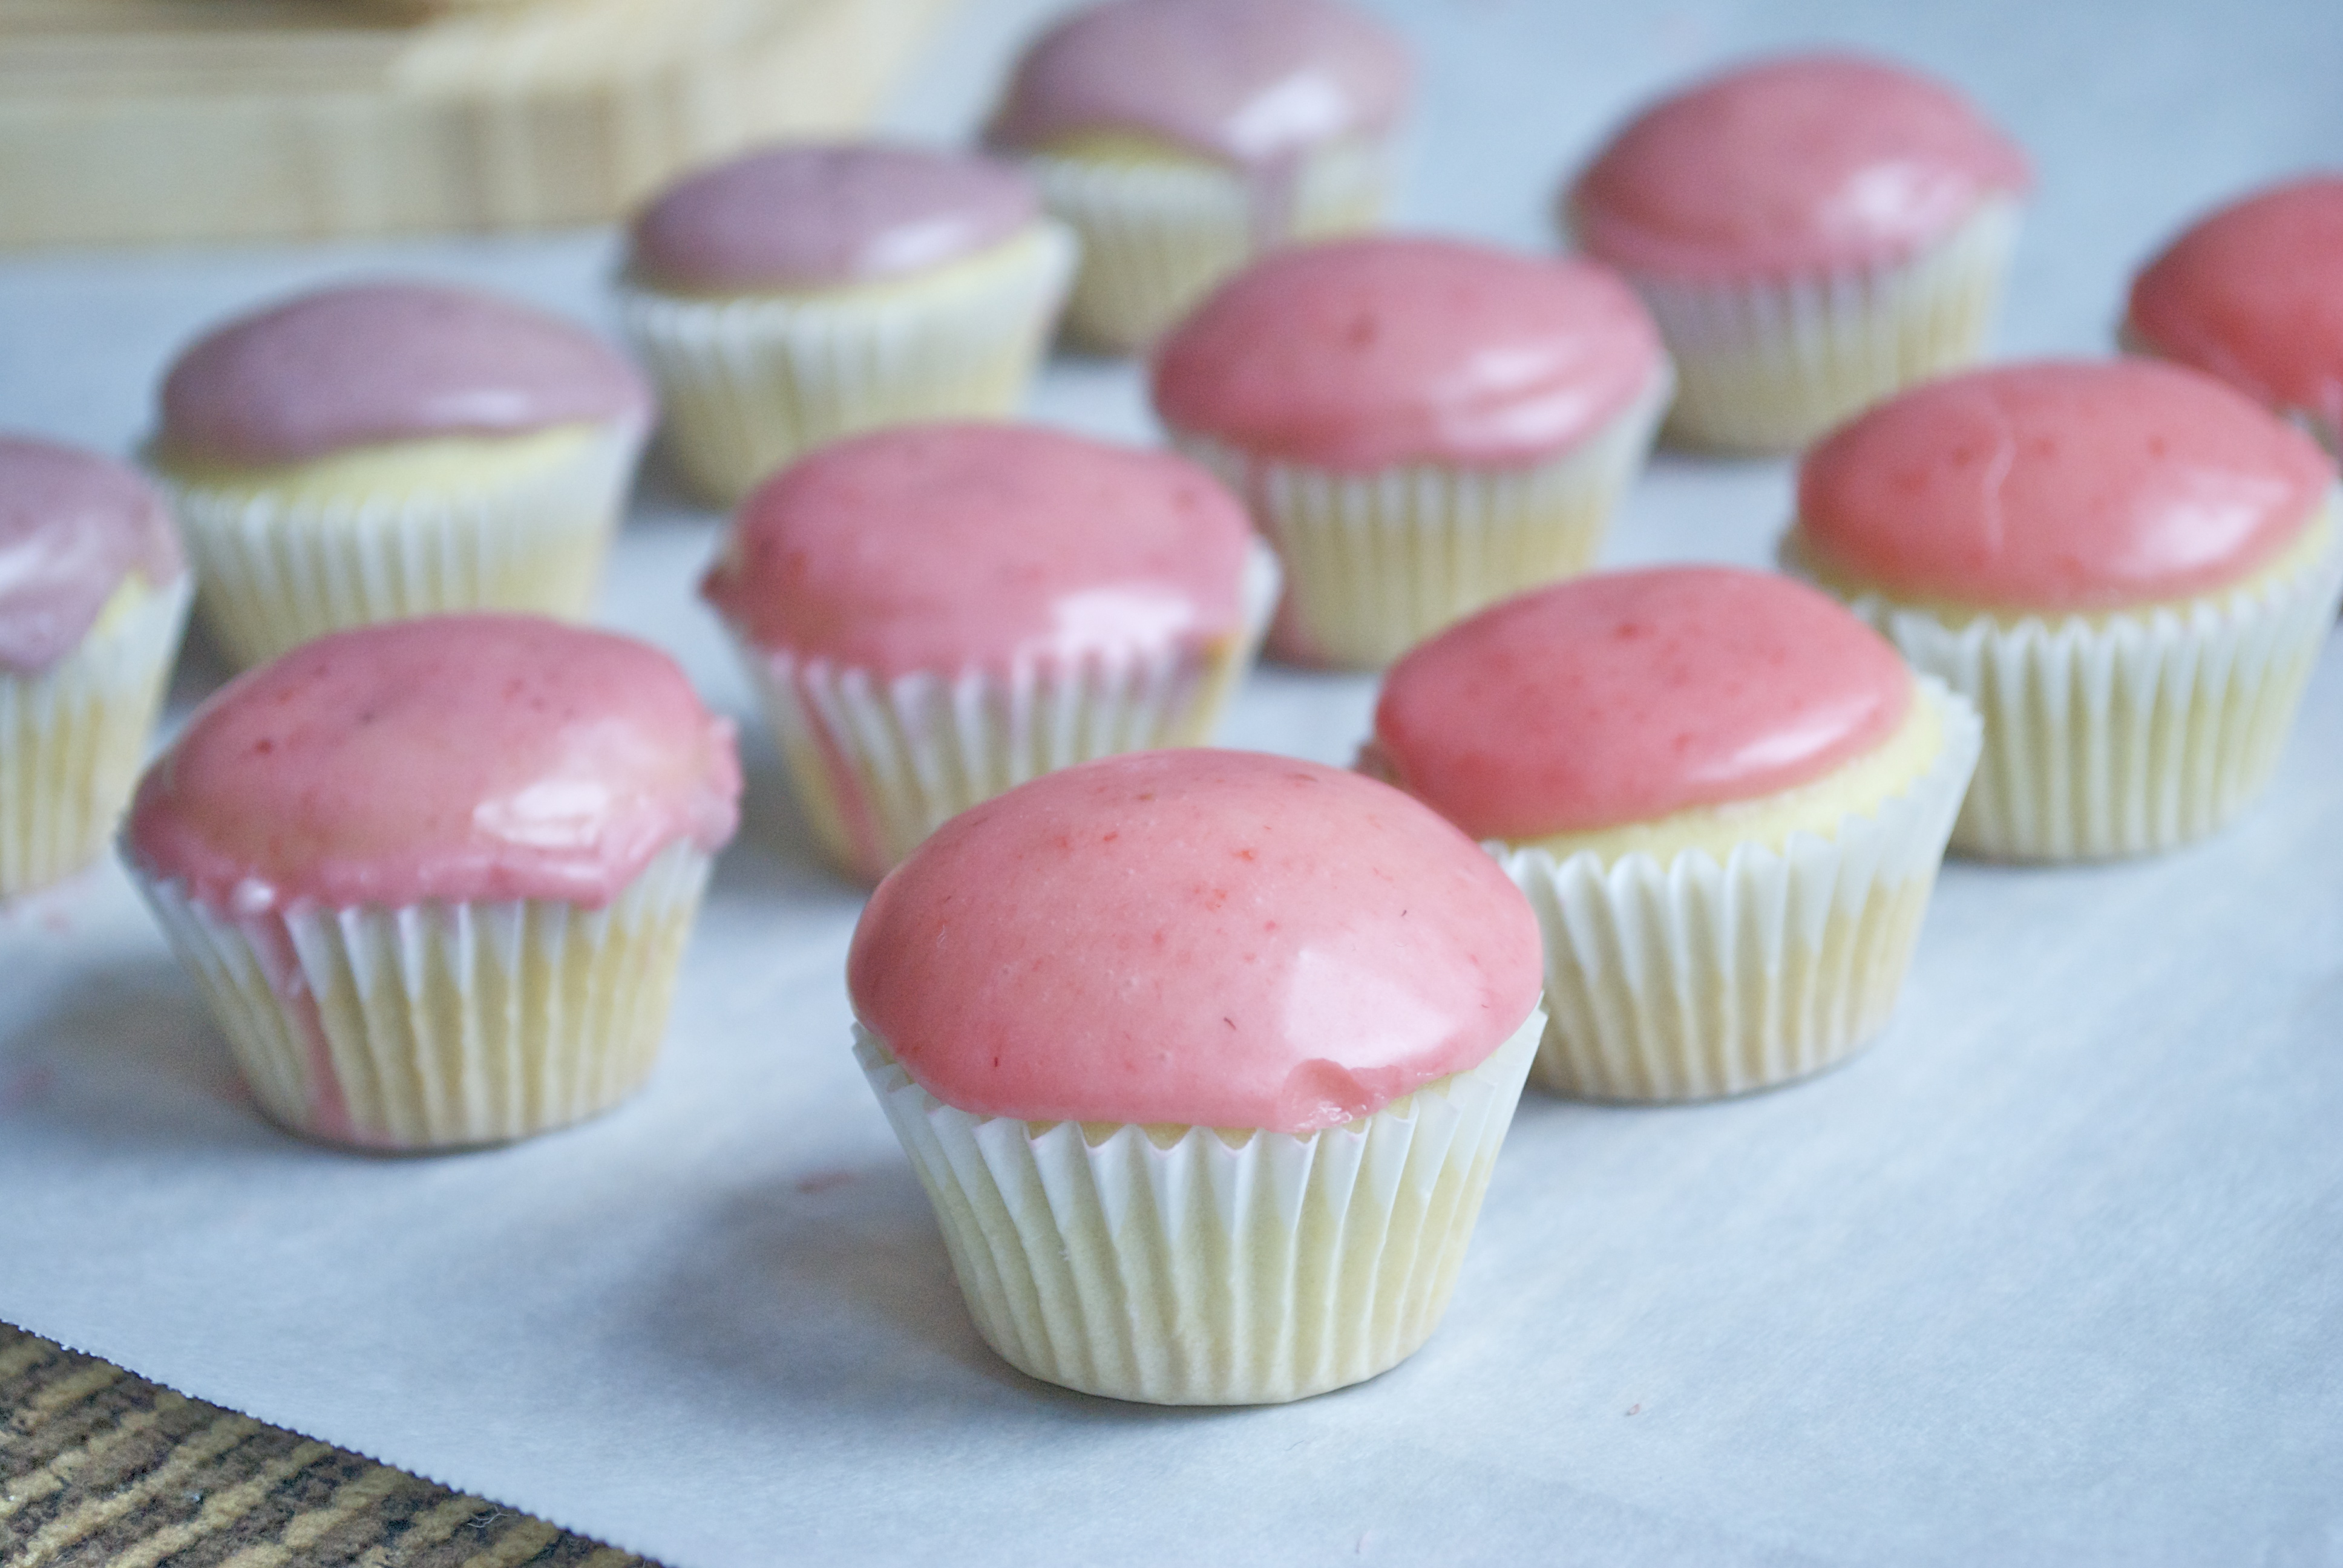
point(2054, 1274)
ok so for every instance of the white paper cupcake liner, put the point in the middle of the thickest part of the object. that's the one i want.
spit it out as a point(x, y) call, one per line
point(442, 1025)
point(1375, 563)
point(1767, 366)
point(72, 737)
point(877, 765)
point(1692, 981)
point(1156, 236)
point(748, 383)
point(2131, 735)
point(276, 570)
point(1216, 1268)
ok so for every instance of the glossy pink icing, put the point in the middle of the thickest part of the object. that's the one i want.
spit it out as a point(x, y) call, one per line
point(1215, 939)
point(1248, 82)
point(1361, 354)
point(369, 363)
point(816, 216)
point(73, 525)
point(1627, 697)
point(2254, 295)
point(950, 545)
point(2059, 487)
point(452, 758)
point(1812, 163)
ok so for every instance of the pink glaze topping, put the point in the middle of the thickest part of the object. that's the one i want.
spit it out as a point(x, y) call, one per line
point(1812, 163)
point(369, 363)
point(2059, 487)
point(1360, 354)
point(73, 525)
point(1248, 82)
point(2254, 295)
point(944, 546)
point(819, 215)
point(453, 757)
point(1206, 939)
point(1627, 697)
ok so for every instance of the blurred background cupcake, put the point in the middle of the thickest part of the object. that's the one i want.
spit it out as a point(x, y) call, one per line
point(1419, 426)
point(1812, 234)
point(1182, 138)
point(937, 612)
point(378, 450)
point(794, 295)
point(93, 594)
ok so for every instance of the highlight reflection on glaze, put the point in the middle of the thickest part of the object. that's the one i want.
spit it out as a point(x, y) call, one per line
point(73, 525)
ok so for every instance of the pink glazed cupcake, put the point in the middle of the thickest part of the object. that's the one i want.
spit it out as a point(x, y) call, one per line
point(1419, 426)
point(1203, 1058)
point(93, 594)
point(2254, 295)
point(1812, 233)
point(2127, 566)
point(936, 612)
point(1725, 797)
point(433, 877)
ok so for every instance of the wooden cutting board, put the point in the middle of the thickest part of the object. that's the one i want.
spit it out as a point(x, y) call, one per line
point(127, 121)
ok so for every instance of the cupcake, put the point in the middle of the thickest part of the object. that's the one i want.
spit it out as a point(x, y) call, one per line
point(1725, 797)
point(93, 594)
point(433, 877)
point(1419, 426)
point(800, 294)
point(1203, 1059)
point(1811, 233)
point(389, 449)
point(1182, 138)
point(935, 613)
point(2127, 566)
point(2254, 295)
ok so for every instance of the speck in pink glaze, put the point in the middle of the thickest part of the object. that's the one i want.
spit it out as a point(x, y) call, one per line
point(1627, 697)
point(370, 363)
point(2254, 295)
point(1816, 162)
point(956, 546)
point(452, 758)
point(1215, 938)
point(2059, 487)
point(820, 216)
point(1248, 82)
point(1361, 354)
point(73, 525)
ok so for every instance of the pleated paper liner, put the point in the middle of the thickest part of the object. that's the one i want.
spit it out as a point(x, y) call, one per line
point(1692, 981)
point(278, 569)
point(1157, 236)
point(878, 764)
point(72, 737)
point(442, 1025)
point(1375, 563)
point(748, 383)
point(1194, 1266)
point(1767, 366)
point(2133, 733)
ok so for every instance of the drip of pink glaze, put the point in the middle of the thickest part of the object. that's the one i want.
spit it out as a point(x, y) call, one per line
point(456, 759)
point(370, 363)
point(1814, 162)
point(847, 794)
point(820, 216)
point(1200, 938)
point(2254, 295)
point(280, 966)
point(1246, 81)
point(1362, 353)
point(1627, 697)
point(950, 546)
point(73, 525)
point(2059, 487)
